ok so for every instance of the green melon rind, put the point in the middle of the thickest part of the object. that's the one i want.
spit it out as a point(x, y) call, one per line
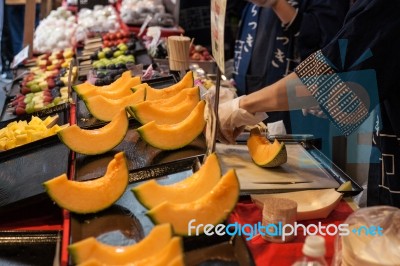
point(278, 160)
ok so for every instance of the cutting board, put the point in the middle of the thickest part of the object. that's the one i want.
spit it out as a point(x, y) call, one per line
point(301, 171)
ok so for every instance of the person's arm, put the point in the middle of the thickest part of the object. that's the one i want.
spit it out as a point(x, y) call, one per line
point(286, 94)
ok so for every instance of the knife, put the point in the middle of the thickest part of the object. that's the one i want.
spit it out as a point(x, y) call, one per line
point(281, 182)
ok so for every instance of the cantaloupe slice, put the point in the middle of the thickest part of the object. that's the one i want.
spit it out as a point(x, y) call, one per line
point(148, 111)
point(105, 109)
point(93, 195)
point(175, 136)
point(211, 208)
point(89, 248)
point(153, 94)
point(96, 141)
point(171, 253)
point(263, 152)
point(87, 86)
point(116, 93)
point(150, 193)
point(183, 95)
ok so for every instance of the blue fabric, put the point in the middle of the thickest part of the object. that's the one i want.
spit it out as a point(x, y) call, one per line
point(244, 45)
point(374, 25)
point(14, 17)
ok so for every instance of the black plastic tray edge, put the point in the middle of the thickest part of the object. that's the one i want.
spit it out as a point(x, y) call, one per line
point(34, 237)
point(309, 142)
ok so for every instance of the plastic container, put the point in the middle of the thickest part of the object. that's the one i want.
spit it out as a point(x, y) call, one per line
point(313, 252)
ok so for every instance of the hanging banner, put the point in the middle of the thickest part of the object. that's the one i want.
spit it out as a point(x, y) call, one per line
point(218, 11)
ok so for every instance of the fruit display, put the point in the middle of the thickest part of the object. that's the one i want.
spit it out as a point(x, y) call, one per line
point(211, 208)
point(93, 195)
point(18, 133)
point(151, 193)
point(263, 152)
point(183, 95)
point(91, 248)
point(96, 141)
point(104, 109)
point(138, 12)
point(148, 111)
point(99, 19)
point(45, 85)
point(175, 136)
point(56, 32)
point(111, 39)
point(199, 52)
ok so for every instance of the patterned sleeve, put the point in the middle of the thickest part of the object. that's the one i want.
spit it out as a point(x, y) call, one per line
point(343, 107)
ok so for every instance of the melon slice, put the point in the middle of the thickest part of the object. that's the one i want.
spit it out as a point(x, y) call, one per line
point(115, 93)
point(153, 94)
point(183, 95)
point(105, 109)
point(150, 193)
point(263, 152)
point(93, 195)
point(175, 136)
point(86, 86)
point(96, 141)
point(148, 111)
point(211, 208)
point(90, 248)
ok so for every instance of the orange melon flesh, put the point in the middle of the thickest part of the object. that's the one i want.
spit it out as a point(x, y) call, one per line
point(150, 193)
point(263, 152)
point(211, 208)
point(154, 94)
point(175, 136)
point(96, 141)
point(118, 92)
point(93, 195)
point(86, 86)
point(183, 95)
point(90, 248)
point(105, 109)
point(148, 111)
point(164, 257)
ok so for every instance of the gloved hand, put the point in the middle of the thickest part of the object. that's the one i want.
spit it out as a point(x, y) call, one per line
point(264, 3)
point(233, 119)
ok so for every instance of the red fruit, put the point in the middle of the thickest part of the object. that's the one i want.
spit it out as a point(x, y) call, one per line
point(25, 90)
point(112, 36)
point(20, 110)
point(47, 99)
point(50, 83)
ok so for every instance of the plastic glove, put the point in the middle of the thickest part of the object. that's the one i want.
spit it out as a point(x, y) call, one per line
point(233, 119)
point(264, 3)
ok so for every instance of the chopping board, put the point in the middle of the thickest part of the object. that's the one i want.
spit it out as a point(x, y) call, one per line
point(301, 171)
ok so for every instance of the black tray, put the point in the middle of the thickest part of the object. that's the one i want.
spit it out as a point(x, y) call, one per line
point(312, 145)
point(28, 247)
point(24, 170)
point(85, 120)
point(125, 222)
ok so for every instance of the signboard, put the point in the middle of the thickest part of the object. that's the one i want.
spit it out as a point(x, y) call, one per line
point(20, 57)
point(218, 10)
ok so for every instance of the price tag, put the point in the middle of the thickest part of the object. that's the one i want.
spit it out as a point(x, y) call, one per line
point(20, 57)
